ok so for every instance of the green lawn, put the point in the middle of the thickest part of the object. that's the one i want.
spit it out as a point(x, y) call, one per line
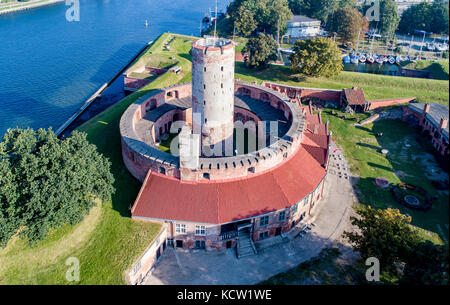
point(107, 242)
point(375, 86)
point(406, 162)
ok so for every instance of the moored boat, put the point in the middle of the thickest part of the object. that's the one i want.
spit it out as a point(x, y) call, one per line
point(362, 58)
point(379, 60)
point(354, 59)
point(391, 60)
point(370, 59)
point(346, 59)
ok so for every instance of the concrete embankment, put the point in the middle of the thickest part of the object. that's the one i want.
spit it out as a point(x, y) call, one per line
point(73, 121)
point(25, 6)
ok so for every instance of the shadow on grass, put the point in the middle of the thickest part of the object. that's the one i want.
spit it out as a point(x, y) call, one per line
point(380, 166)
point(364, 129)
point(377, 148)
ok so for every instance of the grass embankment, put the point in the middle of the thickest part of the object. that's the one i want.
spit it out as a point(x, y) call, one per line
point(375, 86)
point(439, 69)
point(107, 241)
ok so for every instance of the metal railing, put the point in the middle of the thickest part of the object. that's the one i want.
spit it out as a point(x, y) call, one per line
point(228, 235)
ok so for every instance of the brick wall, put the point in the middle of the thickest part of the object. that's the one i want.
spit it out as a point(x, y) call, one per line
point(375, 104)
point(148, 259)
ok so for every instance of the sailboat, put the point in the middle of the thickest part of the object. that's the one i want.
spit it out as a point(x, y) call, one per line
point(391, 59)
point(371, 57)
point(362, 58)
point(346, 59)
point(379, 60)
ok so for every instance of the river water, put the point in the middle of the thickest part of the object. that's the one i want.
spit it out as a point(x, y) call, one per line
point(49, 66)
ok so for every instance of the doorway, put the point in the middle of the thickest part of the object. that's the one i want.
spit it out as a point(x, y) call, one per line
point(278, 231)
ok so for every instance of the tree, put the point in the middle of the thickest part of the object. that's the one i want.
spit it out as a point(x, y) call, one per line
point(347, 23)
point(430, 17)
point(318, 9)
point(440, 22)
point(384, 234)
point(427, 265)
point(275, 17)
point(415, 18)
point(244, 22)
point(389, 18)
point(259, 51)
point(269, 15)
point(47, 182)
point(317, 57)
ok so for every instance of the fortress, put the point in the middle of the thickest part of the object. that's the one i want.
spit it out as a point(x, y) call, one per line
point(246, 162)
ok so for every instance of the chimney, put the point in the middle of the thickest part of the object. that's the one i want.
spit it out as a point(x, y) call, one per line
point(426, 109)
point(443, 124)
point(320, 116)
point(355, 88)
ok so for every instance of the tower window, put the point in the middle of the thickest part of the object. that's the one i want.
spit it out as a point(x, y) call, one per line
point(221, 85)
point(221, 68)
point(204, 69)
point(204, 86)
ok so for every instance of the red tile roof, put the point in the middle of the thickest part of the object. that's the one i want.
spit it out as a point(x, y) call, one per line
point(216, 201)
point(354, 96)
point(222, 201)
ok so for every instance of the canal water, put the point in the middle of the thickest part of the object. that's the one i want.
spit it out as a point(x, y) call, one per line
point(386, 69)
point(49, 66)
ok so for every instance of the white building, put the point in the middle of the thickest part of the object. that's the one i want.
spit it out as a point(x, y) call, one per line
point(302, 27)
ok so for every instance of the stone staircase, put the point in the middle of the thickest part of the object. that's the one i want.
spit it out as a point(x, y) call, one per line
point(245, 245)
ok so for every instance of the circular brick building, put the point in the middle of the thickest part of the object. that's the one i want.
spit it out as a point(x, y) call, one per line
point(209, 191)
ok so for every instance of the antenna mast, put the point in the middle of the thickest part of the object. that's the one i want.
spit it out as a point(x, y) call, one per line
point(215, 25)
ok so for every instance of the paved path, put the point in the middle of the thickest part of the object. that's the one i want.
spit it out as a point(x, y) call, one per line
point(177, 267)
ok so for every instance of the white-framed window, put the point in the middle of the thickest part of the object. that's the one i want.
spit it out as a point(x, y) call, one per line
point(282, 216)
point(180, 228)
point(200, 230)
point(264, 221)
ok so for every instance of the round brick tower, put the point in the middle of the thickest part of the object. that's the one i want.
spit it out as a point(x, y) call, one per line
point(213, 90)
